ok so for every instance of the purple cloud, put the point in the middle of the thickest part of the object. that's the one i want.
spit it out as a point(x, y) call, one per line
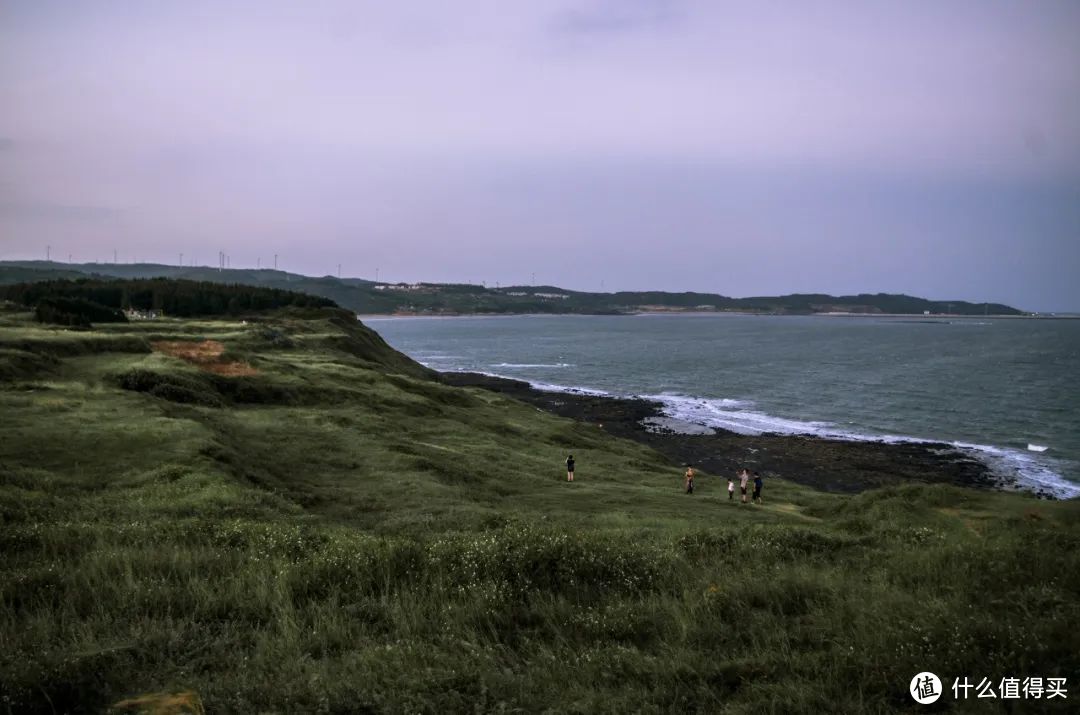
point(482, 141)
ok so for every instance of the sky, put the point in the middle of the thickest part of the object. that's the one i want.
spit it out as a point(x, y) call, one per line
point(757, 148)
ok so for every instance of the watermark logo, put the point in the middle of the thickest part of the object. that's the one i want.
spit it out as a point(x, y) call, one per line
point(925, 688)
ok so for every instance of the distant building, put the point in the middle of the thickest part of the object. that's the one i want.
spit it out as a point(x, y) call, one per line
point(844, 308)
point(401, 286)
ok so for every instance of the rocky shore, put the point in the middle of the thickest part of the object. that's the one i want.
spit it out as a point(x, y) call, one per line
point(828, 464)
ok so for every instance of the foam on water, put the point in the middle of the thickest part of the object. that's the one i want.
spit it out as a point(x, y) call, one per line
point(546, 387)
point(1030, 472)
point(571, 390)
point(727, 414)
point(731, 415)
point(734, 416)
point(948, 391)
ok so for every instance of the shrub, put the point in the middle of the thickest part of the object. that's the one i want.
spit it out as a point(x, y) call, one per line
point(75, 312)
point(180, 298)
point(186, 389)
point(23, 364)
point(254, 390)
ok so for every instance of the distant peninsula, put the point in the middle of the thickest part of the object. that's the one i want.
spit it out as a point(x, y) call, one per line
point(373, 298)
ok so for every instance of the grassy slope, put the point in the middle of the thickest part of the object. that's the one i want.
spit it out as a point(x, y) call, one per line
point(352, 538)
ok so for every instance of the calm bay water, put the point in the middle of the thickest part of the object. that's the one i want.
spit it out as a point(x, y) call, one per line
point(993, 387)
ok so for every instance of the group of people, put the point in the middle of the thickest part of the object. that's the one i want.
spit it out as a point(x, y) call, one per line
point(744, 479)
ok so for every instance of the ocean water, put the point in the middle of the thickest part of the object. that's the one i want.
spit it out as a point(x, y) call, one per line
point(999, 389)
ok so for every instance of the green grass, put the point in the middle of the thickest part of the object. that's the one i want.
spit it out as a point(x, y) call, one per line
point(339, 534)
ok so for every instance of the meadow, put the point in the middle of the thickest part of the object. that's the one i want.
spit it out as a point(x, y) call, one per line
point(303, 520)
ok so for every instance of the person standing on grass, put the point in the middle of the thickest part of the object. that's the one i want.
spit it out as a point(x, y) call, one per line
point(689, 479)
point(730, 489)
point(757, 488)
point(744, 477)
point(570, 468)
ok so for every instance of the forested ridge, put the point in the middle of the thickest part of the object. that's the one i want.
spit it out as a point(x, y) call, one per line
point(363, 296)
point(179, 298)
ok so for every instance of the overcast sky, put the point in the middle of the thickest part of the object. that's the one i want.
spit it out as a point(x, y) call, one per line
point(748, 148)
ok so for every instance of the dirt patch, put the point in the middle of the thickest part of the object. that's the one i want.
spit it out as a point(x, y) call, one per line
point(194, 352)
point(230, 369)
point(206, 355)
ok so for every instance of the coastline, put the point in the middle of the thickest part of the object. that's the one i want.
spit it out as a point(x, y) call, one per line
point(824, 463)
point(900, 317)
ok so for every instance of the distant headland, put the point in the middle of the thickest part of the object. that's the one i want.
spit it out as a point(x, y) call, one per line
point(375, 298)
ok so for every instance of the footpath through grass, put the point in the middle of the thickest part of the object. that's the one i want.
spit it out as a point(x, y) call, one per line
point(334, 532)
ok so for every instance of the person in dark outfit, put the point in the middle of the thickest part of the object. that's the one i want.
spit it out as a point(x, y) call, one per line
point(757, 488)
point(570, 468)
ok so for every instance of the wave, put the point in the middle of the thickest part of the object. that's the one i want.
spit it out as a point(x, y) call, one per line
point(1027, 470)
point(545, 386)
point(571, 390)
point(1030, 470)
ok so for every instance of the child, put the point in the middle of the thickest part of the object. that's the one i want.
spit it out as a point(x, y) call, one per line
point(689, 480)
point(570, 468)
point(731, 489)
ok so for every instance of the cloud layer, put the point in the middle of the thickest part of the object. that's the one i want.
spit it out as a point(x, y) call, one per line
point(741, 148)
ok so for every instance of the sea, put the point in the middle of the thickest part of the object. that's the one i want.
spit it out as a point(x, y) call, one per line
point(1005, 391)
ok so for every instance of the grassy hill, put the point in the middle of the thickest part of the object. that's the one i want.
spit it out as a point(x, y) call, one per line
point(367, 297)
point(281, 514)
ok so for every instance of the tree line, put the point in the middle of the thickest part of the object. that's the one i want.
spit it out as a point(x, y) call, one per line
point(84, 301)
